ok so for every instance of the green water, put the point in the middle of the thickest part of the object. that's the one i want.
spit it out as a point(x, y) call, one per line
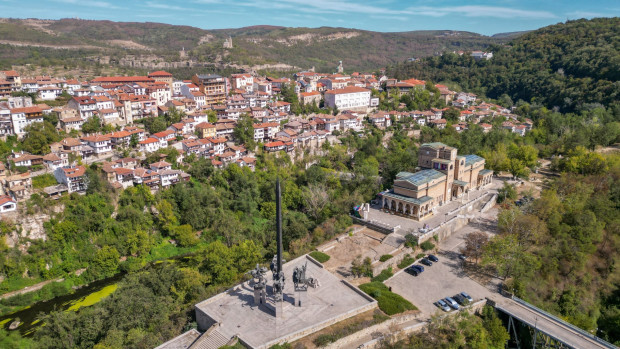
point(30, 316)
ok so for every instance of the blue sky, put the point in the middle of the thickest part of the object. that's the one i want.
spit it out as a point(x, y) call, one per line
point(482, 16)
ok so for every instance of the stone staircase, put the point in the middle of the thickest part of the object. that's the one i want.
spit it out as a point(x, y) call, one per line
point(212, 339)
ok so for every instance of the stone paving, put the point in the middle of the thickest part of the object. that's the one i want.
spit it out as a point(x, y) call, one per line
point(442, 214)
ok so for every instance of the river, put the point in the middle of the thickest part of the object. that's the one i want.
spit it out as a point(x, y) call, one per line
point(82, 297)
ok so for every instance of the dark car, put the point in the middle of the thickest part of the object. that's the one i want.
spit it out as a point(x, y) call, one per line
point(419, 267)
point(425, 261)
point(433, 258)
point(413, 271)
point(460, 299)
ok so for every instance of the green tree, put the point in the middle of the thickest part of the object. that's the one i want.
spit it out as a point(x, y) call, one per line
point(105, 262)
point(92, 125)
point(244, 131)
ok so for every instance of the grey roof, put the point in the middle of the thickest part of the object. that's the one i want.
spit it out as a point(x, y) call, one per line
point(472, 159)
point(421, 177)
point(415, 201)
point(484, 172)
point(436, 145)
point(461, 183)
point(208, 76)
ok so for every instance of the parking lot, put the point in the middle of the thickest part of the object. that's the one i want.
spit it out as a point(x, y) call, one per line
point(444, 278)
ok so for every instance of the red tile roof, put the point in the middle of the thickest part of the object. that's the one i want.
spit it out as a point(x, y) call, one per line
point(348, 89)
point(160, 73)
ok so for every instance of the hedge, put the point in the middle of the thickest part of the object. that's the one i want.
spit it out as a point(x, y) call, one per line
point(389, 302)
point(320, 256)
point(385, 257)
point(383, 275)
point(427, 245)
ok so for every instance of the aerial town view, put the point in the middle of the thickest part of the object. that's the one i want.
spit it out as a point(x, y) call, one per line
point(291, 174)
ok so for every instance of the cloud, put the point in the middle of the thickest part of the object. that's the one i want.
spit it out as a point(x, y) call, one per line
point(585, 14)
point(160, 6)
point(98, 4)
point(349, 7)
point(482, 11)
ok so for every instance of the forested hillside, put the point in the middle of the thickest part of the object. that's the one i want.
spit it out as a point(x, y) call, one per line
point(570, 66)
point(301, 47)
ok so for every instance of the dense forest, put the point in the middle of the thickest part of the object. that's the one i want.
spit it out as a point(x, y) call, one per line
point(570, 66)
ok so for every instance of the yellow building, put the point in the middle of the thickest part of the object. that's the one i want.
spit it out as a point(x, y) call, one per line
point(206, 130)
point(444, 176)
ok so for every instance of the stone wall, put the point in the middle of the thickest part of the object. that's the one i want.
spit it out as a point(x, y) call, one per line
point(315, 328)
point(403, 333)
point(392, 262)
point(383, 327)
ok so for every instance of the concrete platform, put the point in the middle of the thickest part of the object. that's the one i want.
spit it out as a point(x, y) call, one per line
point(234, 314)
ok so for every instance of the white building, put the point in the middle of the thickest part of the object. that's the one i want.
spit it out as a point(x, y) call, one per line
point(348, 98)
point(72, 177)
point(7, 204)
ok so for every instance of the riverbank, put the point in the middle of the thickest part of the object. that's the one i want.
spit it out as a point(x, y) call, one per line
point(74, 292)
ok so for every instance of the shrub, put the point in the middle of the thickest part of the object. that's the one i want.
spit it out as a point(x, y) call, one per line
point(385, 257)
point(411, 241)
point(383, 275)
point(420, 255)
point(406, 261)
point(389, 302)
point(427, 245)
point(320, 256)
point(436, 238)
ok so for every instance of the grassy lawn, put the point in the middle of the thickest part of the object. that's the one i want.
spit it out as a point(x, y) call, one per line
point(320, 256)
point(389, 302)
point(44, 180)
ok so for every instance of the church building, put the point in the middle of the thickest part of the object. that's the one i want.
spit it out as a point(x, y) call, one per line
point(445, 176)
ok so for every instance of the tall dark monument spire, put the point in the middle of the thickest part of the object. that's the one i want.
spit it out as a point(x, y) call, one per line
point(279, 225)
point(276, 264)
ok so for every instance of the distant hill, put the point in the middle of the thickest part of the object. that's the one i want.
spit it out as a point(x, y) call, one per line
point(570, 66)
point(32, 40)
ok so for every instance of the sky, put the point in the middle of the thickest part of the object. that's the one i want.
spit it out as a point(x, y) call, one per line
point(481, 16)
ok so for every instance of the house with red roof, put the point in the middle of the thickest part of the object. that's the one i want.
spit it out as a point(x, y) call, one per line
point(74, 177)
point(7, 204)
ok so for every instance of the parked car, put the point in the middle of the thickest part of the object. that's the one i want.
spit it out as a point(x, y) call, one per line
point(419, 267)
point(452, 303)
point(442, 305)
point(460, 299)
point(425, 261)
point(433, 258)
point(413, 271)
point(466, 296)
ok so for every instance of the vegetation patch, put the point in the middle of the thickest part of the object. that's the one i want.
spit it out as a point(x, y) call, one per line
point(44, 180)
point(383, 275)
point(348, 329)
point(389, 302)
point(385, 257)
point(407, 260)
point(320, 256)
point(427, 245)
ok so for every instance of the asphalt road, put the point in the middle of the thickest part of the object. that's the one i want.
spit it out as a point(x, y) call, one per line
point(445, 278)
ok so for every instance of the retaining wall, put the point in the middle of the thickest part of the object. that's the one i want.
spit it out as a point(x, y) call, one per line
point(392, 262)
point(374, 226)
point(383, 327)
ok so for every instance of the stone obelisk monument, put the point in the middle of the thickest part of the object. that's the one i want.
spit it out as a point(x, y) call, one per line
point(276, 265)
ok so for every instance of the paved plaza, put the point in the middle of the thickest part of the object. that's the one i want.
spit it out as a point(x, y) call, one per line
point(333, 301)
point(442, 214)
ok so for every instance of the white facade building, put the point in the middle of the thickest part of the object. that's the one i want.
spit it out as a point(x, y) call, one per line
point(348, 98)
